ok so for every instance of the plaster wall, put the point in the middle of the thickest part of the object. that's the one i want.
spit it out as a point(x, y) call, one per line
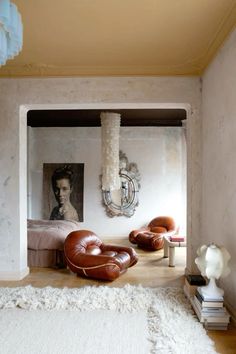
point(160, 153)
point(219, 168)
point(19, 95)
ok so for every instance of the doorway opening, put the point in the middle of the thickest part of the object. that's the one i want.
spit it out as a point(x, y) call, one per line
point(86, 117)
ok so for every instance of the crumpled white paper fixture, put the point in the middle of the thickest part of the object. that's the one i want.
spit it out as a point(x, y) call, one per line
point(110, 123)
point(11, 31)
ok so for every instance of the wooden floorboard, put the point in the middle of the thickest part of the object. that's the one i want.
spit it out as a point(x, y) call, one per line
point(152, 270)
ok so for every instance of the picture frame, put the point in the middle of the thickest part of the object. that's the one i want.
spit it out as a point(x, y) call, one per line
point(53, 204)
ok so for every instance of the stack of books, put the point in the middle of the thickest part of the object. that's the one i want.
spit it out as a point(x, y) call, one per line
point(210, 311)
point(192, 282)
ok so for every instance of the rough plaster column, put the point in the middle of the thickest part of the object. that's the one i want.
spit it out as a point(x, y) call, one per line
point(14, 93)
point(13, 241)
point(219, 167)
point(194, 173)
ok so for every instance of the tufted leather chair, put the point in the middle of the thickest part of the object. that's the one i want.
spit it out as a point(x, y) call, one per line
point(151, 237)
point(88, 256)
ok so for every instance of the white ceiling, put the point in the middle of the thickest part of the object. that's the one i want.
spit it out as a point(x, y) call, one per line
point(120, 37)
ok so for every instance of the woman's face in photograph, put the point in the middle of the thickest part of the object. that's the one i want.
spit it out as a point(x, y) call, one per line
point(62, 191)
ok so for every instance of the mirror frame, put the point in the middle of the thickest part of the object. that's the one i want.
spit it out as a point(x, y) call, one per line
point(129, 190)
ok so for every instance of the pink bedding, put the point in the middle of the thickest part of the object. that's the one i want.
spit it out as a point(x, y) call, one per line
point(49, 234)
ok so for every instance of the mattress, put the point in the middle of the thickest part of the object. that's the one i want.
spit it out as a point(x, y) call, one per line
point(46, 241)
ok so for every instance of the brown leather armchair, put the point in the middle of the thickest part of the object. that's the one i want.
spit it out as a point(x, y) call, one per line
point(88, 256)
point(151, 237)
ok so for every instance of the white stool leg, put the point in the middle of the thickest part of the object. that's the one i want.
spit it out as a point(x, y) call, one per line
point(166, 249)
point(172, 256)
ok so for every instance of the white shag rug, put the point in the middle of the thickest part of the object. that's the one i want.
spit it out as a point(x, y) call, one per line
point(99, 320)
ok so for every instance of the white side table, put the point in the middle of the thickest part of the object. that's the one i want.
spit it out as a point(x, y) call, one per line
point(169, 249)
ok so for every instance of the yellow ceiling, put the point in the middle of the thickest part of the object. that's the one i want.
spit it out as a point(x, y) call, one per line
point(120, 37)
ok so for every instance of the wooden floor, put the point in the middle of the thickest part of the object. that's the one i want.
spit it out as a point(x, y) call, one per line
point(152, 270)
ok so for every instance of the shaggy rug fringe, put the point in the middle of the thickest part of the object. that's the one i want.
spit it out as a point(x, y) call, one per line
point(173, 328)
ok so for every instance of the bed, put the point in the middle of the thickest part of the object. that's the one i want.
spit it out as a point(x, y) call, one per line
point(46, 240)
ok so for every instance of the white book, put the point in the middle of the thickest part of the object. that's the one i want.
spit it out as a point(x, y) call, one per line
point(216, 327)
point(214, 311)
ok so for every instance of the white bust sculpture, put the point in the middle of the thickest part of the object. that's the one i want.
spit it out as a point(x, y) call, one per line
point(212, 262)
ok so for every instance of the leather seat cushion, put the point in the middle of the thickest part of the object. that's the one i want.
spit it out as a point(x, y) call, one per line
point(158, 229)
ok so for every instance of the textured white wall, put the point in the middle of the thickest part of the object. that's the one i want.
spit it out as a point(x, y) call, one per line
point(19, 95)
point(159, 153)
point(219, 166)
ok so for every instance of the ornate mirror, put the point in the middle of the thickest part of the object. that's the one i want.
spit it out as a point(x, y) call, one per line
point(124, 200)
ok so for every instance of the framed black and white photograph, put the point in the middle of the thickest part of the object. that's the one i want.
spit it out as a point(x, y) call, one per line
point(63, 188)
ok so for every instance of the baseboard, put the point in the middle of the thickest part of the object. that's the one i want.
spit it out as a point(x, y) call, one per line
point(14, 275)
point(231, 311)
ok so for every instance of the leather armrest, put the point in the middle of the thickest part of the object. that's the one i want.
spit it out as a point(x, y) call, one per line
point(118, 249)
point(150, 240)
point(133, 234)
